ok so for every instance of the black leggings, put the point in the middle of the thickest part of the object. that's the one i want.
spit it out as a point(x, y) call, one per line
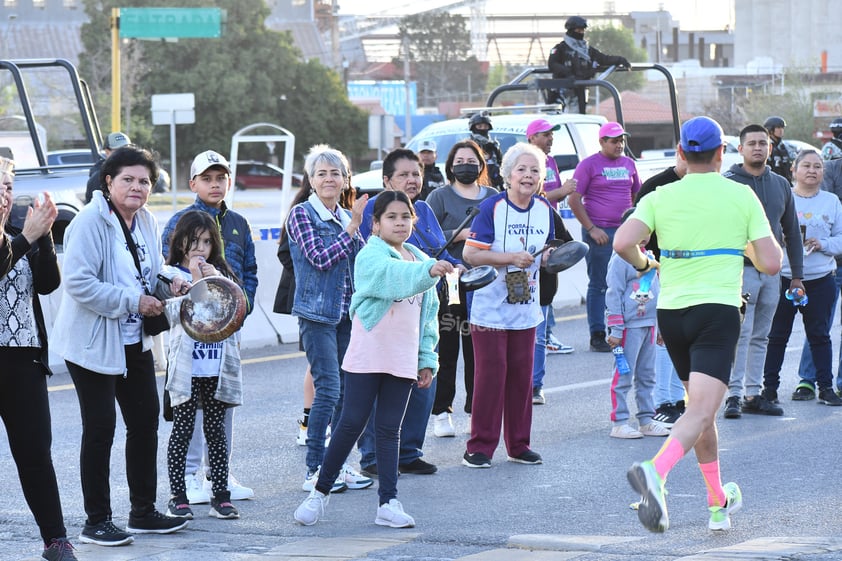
point(213, 426)
point(453, 330)
point(25, 410)
point(137, 394)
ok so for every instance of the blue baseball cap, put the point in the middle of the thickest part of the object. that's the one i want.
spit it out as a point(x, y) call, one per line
point(701, 134)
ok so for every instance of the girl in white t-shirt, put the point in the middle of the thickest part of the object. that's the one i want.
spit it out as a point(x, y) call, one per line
point(200, 374)
point(394, 332)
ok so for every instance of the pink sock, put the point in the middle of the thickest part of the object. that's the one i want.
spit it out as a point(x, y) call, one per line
point(668, 456)
point(716, 495)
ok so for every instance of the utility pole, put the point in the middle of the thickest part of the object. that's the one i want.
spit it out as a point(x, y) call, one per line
point(407, 127)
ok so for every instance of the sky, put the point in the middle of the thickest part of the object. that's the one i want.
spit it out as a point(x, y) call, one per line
point(692, 14)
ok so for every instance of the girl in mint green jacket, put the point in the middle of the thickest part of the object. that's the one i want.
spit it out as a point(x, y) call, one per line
point(394, 333)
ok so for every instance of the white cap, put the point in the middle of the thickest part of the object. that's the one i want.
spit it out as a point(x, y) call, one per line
point(427, 145)
point(205, 160)
point(116, 140)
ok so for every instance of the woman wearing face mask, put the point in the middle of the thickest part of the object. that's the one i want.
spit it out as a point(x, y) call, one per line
point(468, 186)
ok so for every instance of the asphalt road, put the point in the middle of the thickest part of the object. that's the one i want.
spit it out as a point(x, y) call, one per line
point(573, 506)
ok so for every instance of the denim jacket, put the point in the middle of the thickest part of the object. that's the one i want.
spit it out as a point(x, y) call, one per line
point(319, 293)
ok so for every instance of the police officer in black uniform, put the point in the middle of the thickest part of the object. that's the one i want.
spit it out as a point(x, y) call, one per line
point(780, 160)
point(573, 58)
point(480, 125)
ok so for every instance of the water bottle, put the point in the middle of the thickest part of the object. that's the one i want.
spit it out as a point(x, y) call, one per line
point(646, 281)
point(796, 296)
point(620, 358)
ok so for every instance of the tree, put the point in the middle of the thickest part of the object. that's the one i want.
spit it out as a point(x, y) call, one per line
point(439, 47)
point(250, 74)
point(619, 41)
point(794, 104)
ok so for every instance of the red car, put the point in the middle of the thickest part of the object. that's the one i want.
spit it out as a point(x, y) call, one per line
point(261, 175)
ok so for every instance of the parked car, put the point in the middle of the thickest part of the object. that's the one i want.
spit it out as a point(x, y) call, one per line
point(70, 157)
point(86, 158)
point(261, 175)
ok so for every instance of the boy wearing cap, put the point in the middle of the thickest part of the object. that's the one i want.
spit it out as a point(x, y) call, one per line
point(433, 178)
point(698, 309)
point(606, 183)
point(210, 179)
point(112, 142)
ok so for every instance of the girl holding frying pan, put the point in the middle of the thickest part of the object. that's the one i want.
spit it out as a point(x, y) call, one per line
point(509, 229)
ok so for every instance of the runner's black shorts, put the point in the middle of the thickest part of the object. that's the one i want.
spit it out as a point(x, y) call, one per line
point(701, 338)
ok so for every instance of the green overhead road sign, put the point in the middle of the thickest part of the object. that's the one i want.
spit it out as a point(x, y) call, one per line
point(160, 23)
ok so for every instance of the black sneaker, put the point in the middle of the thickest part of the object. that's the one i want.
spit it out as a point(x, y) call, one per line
point(155, 523)
point(804, 392)
point(418, 467)
point(770, 395)
point(370, 471)
point(666, 415)
point(221, 506)
point(828, 397)
point(529, 457)
point(105, 533)
point(759, 405)
point(732, 408)
point(598, 342)
point(59, 550)
point(179, 507)
point(476, 460)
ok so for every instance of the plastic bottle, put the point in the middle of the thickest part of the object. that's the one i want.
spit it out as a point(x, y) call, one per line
point(796, 296)
point(620, 358)
point(646, 281)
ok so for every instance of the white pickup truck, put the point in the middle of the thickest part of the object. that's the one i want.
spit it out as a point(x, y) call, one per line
point(48, 104)
point(577, 138)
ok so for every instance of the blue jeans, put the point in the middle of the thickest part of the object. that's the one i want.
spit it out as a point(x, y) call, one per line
point(597, 261)
point(413, 429)
point(361, 392)
point(816, 317)
point(668, 388)
point(807, 369)
point(324, 345)
point(539, 362)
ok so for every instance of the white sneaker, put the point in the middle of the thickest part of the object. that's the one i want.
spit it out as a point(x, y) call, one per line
point(196, 491)
point(311, 479)
point(625, 431)
point(238, 491)
point(354, 479)
point(301, 437)
point(442, 425)
point(654, 429)
point(312, 509)
point(391, 514)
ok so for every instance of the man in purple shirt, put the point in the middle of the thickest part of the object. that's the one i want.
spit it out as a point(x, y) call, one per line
point(606, 184)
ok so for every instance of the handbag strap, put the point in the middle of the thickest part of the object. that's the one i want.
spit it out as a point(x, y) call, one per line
point(132, 247)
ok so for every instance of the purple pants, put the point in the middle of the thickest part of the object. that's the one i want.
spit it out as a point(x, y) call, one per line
point(502, 389)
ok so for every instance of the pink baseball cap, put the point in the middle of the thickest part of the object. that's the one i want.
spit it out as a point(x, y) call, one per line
point(612, 130)
point(540, 125)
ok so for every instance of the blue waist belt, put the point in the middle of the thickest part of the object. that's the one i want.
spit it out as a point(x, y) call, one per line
point(688, 253)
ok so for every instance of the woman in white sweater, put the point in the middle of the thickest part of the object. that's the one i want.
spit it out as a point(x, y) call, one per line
point(820, 218)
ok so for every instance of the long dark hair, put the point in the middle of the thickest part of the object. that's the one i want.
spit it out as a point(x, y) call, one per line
point(385, 198)
point(467, 143)
point(188, 228)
